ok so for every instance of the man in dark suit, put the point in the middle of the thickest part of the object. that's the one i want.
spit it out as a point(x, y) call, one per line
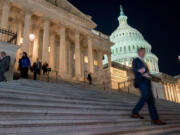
point(143, 82)
point(4, 65)
point(37, 68)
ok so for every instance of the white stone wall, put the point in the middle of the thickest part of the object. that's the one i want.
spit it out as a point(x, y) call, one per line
point(158, 90)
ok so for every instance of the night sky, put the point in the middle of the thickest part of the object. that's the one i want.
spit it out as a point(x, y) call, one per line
point(158, 21)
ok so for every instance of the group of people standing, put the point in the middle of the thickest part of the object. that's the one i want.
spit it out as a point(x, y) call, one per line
point(25, 65)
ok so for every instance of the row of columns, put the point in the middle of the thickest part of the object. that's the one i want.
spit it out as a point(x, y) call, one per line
point(47, 38)
point(171, 92)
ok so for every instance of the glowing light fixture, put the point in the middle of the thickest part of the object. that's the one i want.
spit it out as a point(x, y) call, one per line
point(31, 37)
point(21, 40)
point(49, 49)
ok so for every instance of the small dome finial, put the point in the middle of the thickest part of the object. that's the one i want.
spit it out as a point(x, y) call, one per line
point(122, 11)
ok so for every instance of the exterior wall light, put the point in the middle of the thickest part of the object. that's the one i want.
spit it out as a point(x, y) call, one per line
point(31, 37)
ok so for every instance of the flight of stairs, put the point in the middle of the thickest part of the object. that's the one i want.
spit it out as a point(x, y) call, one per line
point(39, 108)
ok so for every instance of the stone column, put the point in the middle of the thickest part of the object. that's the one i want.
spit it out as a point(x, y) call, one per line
point(27, 25)
point(90, 56)
point(19, 36)
point(70, 58)
point(169, 92)
point(165, 91)
point(5, 15)
point(77, 56)
point(45, 41)
point(175, 92)
point(13, 26)
point(19, 32)
point(100, 60)
point(52, 51)
point(63, 53)
point(109, 60)
point(82, 65)
point(172, 93)
point(31, 43)
point(36, 45)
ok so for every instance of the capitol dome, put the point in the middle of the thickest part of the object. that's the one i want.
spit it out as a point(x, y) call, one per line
point(126, 42)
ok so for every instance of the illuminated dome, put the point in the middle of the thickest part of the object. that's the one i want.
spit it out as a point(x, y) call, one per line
point(127, 40)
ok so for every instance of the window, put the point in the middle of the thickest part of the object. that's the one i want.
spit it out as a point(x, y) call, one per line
point(133, 47)
point(85, 59)
point(124, 49)
point(120, 49)
point(116, 50)
point(129, 48)
point(49, 49)
point(112, 51)
point(95, 62)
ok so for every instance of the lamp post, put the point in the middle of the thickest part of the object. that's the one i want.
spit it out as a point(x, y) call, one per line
point(179, 59)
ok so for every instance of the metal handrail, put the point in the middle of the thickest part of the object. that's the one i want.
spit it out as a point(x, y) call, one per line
point(128, 82)
point(8, 36)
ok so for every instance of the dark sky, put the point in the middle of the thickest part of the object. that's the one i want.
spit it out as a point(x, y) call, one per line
point(158, 21)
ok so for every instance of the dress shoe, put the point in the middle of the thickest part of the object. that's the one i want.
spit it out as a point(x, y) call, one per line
point(158, 122)
point(136, 116)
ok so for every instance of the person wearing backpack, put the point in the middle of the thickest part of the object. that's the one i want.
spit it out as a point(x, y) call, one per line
point(4, 65)
point(24, 64)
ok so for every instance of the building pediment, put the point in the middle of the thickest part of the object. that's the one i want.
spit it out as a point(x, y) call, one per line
point(68, 7)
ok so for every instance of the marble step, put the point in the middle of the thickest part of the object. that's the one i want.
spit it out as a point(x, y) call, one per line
point(39, 104)
point(45, 110)
point(60, 116)
point(36, 96)
point(63, 88)
point(96, 91)
point(121, 99)
point(65, 116)
point(80, 97)
point(65, 125)
point(117, 129)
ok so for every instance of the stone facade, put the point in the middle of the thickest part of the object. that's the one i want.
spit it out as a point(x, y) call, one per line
point(164, 86)
point(171, 87)
point(62, 35)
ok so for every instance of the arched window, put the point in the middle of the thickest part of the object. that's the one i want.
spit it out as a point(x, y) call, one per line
point(133, 47)
point(112, 51)
point(129, 48)
point(124, 49)
point(116, 50)
point(120, 49)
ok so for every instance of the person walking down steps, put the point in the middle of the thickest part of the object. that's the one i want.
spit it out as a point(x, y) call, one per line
point(4, 65)
point(89, 78)
point(143, 83)
point(24, 65)
point(37, 68)
point(45, 68)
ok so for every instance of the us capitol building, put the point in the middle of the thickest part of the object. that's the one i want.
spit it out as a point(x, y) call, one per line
point(58, 33)
point(126, 42)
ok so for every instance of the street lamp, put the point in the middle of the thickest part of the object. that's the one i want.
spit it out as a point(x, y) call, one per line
point(179, 59)
point(31, 37)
